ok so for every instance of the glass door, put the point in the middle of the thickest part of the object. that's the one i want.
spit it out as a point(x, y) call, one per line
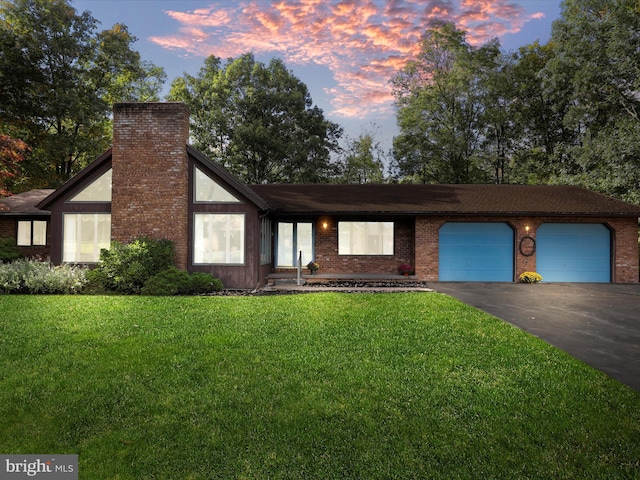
point(293, 238)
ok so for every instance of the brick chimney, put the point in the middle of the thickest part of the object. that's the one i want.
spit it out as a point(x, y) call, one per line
point(150, 190)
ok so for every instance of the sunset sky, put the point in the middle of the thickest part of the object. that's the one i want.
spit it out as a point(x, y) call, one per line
point(345, 51)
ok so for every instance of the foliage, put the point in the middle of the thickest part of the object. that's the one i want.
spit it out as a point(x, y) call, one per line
point(313, 266)
point(322, 386)
point(125, 268)
point(530, 277)
point(8, 250)
point(60, 79)
point(440, 100)
point(172, 281)
point(593, 78)
point(363, 161)
point(204, 283)
point(567, 112)
point(405, 268)
point(41, 277)
point(258, 121)
point(12, 152)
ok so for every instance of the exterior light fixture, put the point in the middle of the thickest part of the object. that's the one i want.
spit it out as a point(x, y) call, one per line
point(324, 225)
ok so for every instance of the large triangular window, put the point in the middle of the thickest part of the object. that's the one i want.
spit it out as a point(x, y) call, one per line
point(209, 191)
point(97, 191)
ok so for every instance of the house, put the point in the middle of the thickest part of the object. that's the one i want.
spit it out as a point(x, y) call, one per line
point(151, 182)
point(23, 221)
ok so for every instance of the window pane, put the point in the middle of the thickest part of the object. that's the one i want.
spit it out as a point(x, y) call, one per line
point(97, 191)
point(219, 238)
point(85, 234)
point(39, 232)
point(208, 190)
point(285, 244)
point(305, 242)
point(265, 241)
point(24, 233)
point(365, 238)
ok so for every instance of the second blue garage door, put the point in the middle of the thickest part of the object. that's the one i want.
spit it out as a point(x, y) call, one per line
point(475, 252)
point(571, 252)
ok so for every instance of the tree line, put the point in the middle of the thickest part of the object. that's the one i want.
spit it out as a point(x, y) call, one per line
point(563, 112)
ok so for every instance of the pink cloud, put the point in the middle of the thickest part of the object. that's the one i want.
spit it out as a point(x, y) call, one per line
point(364, 43)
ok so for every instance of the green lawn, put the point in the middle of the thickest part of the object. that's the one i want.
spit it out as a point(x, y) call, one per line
point(318, 386)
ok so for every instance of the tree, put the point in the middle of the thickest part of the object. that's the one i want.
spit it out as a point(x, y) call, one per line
point(59, 81)
point(12, 152)
point(258, 121)
point(440, 110)
point(595, 76)
point(363, 161)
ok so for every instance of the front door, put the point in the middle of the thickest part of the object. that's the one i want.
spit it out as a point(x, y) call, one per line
point(293, 238)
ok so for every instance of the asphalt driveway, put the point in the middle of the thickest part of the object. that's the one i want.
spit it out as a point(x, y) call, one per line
point(596, 323)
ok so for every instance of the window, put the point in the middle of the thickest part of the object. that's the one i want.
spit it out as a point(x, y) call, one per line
point(365, 238)
point(84, 235)
point(31, 233)
point(265, 241)
point(97, 191)
point(219, 238)
point(294, 238)
point(207, 190)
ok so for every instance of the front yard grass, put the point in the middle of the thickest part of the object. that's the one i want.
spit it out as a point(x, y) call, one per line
point(318, 386)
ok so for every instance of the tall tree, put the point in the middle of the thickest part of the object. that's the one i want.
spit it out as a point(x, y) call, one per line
point(59, 80)
point(363, 161)
point(258, 121)
point(439, 101)
point(596, 74)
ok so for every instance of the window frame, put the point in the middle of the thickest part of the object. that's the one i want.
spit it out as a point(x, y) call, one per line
point(97, 246)
point(230, 199)
point(32, 233)
point(294, 246)
point(243, 234)
point(378, 253)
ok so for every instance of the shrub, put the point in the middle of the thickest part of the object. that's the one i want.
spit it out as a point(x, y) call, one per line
point(8, 250)
point(204, 283)
point(530, 277)
point(168, 282)
point(125, 268)
point(38, 277)
point(172, 281)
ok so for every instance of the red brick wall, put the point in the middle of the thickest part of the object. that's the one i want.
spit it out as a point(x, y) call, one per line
point(150, 194)
point(624, 243)
point(330, 262)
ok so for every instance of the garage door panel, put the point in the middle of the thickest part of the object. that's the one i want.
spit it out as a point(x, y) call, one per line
point(476, 252)
point(574, 252)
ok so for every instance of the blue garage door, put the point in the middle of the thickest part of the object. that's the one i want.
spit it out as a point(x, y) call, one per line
point(475, 252)
point(568, 252)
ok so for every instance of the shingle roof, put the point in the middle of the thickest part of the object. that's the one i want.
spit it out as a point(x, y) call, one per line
point(25, 203)
point(399, 199)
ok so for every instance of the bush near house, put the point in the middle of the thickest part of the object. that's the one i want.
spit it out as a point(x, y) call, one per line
point(172, 281)
point(125, 268)
point(145, 267)
point(8, 250)
point(41, 277)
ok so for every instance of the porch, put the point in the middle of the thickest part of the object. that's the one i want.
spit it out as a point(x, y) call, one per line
point(292, 278)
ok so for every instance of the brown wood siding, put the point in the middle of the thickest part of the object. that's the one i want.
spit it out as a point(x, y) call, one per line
point(247, 276)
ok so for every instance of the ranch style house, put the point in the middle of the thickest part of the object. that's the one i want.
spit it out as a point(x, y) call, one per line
point(153, 183)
